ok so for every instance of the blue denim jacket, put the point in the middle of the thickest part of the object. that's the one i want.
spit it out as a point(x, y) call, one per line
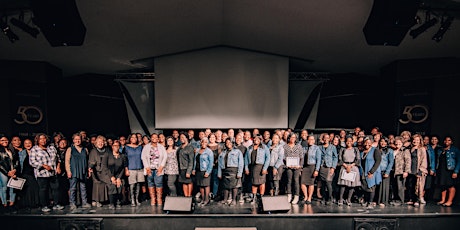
point(313, 156)
point(329, 156)
point(277, 156)
point(196, 144)
point(22, 156)
point(453, 158)
point(432, 158)
point(206, 160)
point(235, 159)
point(388, 161)
point(263, 157)
point(269, 143)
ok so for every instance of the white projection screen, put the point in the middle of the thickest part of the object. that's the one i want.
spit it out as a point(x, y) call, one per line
point(221, 88)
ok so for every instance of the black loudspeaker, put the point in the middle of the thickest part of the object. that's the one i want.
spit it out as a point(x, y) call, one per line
point(178, 204)
point(375, 224)
point(389, 21)
point(275, 204)
point(59, 21)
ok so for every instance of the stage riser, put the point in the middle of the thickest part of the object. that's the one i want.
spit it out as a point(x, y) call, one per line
point(269, 222)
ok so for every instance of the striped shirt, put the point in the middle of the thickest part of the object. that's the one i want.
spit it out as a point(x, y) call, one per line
point(40, 157)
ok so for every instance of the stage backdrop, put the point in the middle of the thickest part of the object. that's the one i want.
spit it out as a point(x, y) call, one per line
point(220, 88)
point(303, 103)
point(139, 101)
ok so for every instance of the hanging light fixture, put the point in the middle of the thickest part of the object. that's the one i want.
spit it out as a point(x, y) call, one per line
point(445, 24)
point(20, 23)
point(429, 22)
point(8, 32)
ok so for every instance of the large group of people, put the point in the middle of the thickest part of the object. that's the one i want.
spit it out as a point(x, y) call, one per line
point(229, 168)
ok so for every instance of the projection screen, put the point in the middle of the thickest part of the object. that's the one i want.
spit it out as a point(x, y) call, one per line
point(221, 88)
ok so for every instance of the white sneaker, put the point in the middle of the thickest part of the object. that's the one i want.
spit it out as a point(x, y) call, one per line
point(58, 207)
point(241, 201)
point(289, 197)
point(198, 195)
point(296, 200)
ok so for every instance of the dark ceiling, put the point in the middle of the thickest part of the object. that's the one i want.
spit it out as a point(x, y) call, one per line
point(327, 32)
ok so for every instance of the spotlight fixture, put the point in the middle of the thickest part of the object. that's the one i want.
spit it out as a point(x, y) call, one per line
point(8, 32)
point(429, 22)
point(445, 24)
point(26, 28)
point(417, 20)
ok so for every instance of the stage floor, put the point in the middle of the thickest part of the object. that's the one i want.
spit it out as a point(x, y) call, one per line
point(217, 209)
point(241, 216)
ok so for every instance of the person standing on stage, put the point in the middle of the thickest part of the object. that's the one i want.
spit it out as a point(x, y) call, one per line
point(203, 164)
point(162, 139)
point(244, 183)
point(370, 163)
point(304, 138)
point(447, 170)
point(247, 139)
point(29, 194)
point(171, 167)
point(175, 135)
point(256, 163)
point(402, 167)
point(9, 168)
point(135, 172)
point(154, 158)
point(430, 178)
point(293, 156)
point(230, 169)
point(216, 150)
point(99, 169)
point(416, 179)
point(76, 166)
point(267, 140)
point(185, 157)
point(44, 159)
point(276, 166)
point(311, 165)
point(64, 183)
point(231, 135)
point(329, 160)
point(117, 164)
point(386, 165)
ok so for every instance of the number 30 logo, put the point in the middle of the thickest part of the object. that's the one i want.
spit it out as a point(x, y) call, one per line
point(29, 114)
point(415, 114)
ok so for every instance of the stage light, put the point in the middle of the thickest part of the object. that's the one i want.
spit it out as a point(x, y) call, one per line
point(8, 32)
point(419, 30)
point(26, 28)
point(442, 30)
point(417, 20)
